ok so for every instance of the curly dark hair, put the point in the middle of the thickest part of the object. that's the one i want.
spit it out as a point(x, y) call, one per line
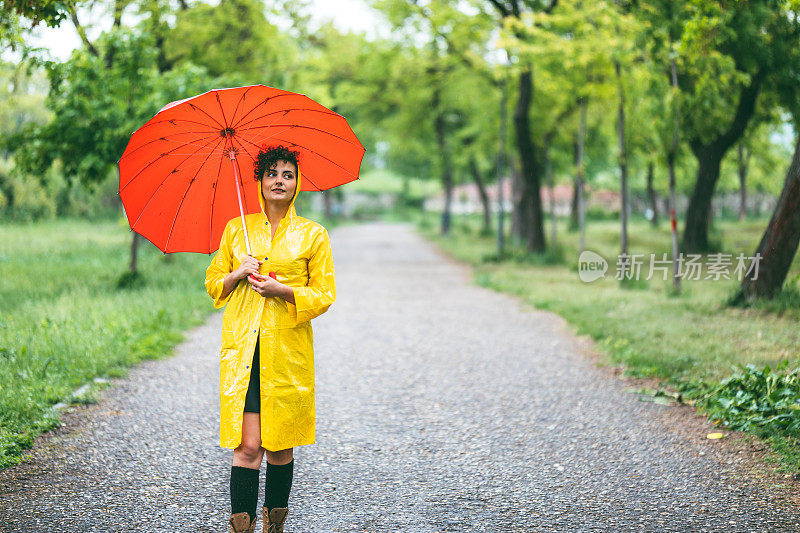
point(267, 158)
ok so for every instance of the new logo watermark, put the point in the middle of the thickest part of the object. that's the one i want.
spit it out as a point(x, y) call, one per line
point(592, 266)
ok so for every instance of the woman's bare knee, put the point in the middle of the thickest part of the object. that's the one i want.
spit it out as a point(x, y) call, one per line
point(250, 447)
point(249, 452)
point(280, 457)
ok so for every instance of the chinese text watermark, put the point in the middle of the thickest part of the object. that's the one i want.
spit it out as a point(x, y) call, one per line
point(592, 266)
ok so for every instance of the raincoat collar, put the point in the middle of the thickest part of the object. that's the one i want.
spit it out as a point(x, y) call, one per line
point(290, 214)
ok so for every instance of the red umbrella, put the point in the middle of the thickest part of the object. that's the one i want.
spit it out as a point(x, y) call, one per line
point(181, 175)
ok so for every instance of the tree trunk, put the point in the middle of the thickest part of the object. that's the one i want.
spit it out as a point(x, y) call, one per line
point(779, 243)
point(500, 170)
point(671, 156)
point(651, 194)
point(573, 211)
point(531, 166)
point(698, 213)
point(134, 252)
point(487, 209)
point(517, 230)
point(447, 171)
point(743, 164)
point(673, 219)
point(623, 164)
point(579, 174)
point(709, 156)
point(327, 204)
point(548, 166)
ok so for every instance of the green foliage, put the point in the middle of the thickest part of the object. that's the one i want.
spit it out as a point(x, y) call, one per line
point(599, 213)
point(785, 301)
point(760, 400)
point(720, 48)
point(130, 280)
point(231, 38)
point(97, 101)
point(51, 12)
point(23, 197)
point(96, 105)
point(24, 88)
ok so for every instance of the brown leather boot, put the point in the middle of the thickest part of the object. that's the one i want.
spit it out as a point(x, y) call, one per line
point(274, 519)
point(240, 523)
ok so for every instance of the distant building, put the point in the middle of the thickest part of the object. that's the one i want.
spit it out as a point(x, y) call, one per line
point(467, 200)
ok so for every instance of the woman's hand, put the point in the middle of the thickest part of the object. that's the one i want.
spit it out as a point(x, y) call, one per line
point(249, 266)
point(266, 286)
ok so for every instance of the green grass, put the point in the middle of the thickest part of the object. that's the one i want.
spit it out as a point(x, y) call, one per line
point(63, 321)
point(641, 327)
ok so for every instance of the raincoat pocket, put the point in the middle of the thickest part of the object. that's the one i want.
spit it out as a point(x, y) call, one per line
point(297, 353)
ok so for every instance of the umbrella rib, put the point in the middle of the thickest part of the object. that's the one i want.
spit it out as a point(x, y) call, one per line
point(236, 109)
point(157, 188)
point(307, 128)
point(245, 151)
point(305, 176)
point(225, 120)
point(156, 159)
point(190, 143)
point(267, 136)
point(287, 111)
point(267, 100)
point(173, 121)
point(213, 196)
point(237, 162)
point(185, 193)
point(316, 153)
point(206, 114)
point(319, 155)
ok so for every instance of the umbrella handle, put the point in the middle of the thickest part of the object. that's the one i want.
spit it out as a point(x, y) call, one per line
point(232, 155)
point(271, 274)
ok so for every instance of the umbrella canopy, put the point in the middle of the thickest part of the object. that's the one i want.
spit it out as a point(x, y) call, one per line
point(189, 169)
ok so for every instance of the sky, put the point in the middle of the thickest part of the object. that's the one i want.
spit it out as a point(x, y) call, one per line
point(347, 15)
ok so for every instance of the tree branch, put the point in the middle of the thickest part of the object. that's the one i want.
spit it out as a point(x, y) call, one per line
point(73, 14)
point(465, 59)
point(744, 111)
point(500, 7)
point(565, 113)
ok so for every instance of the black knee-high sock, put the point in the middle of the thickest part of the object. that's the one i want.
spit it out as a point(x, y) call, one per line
point(279, 484)
point(244, 490)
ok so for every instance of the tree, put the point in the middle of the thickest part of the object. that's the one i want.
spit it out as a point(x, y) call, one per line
point(231, 38)
point(730, 52)
point(96, 103)
point(578, 50)
point(779, 243)
point(453, 87)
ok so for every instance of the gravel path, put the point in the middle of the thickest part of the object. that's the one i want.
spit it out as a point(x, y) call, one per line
point(441, 406)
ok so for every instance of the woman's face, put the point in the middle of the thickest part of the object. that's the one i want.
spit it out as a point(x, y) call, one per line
point(278, 184)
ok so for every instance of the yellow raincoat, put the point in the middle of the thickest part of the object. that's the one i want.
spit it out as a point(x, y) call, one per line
point(301, 257)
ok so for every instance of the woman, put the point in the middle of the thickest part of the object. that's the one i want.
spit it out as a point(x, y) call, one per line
point(267, 355)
